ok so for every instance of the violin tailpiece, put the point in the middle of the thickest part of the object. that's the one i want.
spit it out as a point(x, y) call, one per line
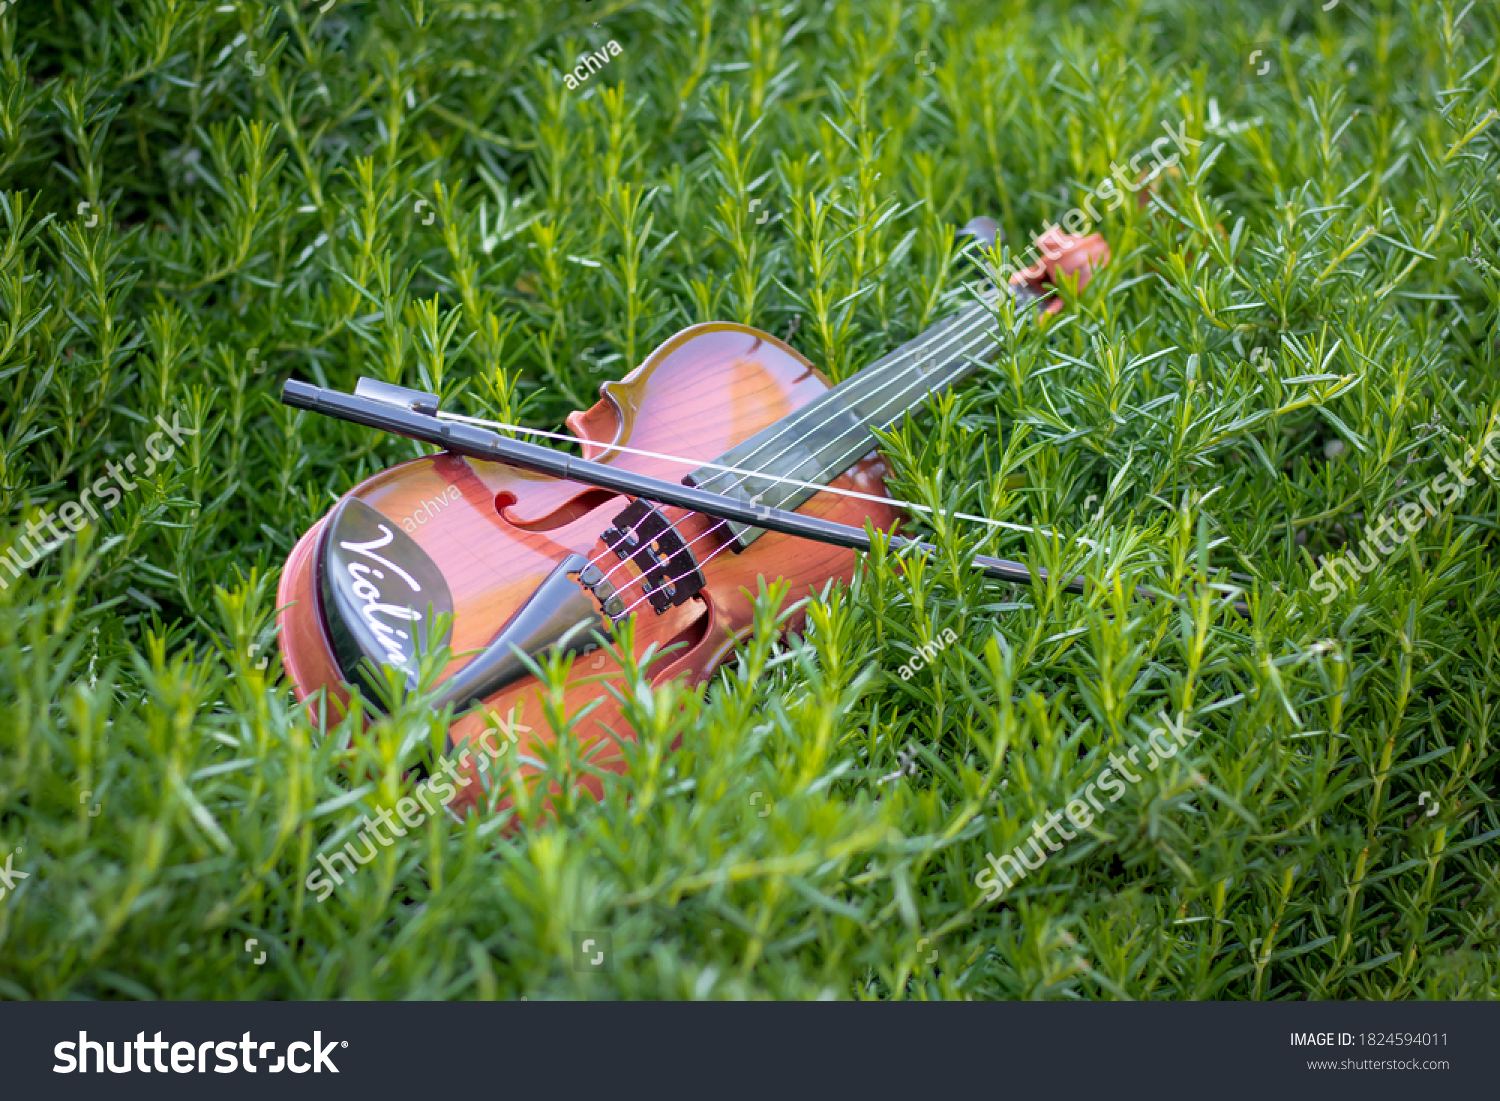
point(559, 616)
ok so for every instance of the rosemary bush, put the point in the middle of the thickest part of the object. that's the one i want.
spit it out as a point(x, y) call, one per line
point(199, 200)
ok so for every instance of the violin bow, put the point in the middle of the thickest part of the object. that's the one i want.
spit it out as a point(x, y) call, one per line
point(415, 414)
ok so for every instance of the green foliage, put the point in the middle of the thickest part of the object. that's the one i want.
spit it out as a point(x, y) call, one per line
point(1290, 341)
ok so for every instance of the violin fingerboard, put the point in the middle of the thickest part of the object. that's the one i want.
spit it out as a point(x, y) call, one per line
point(828, 436)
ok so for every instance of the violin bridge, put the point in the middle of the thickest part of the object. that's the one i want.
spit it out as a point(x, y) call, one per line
point(643, 535)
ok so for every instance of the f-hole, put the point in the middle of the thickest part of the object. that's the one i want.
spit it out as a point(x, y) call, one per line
point(572, 509)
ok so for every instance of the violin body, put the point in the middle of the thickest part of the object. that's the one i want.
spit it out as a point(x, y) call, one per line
point(520, 564)
point(495, 534)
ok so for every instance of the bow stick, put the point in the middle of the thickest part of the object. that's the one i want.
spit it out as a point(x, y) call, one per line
point(415, 414)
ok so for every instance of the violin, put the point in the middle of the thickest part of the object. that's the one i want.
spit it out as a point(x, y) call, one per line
point(724, 459)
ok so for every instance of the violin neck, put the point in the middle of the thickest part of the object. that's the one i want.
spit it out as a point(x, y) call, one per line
point(900, 382)
point(825, 438)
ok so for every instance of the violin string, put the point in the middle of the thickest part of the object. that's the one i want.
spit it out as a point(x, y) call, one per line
point(838, 465)
point(978, 328)
point(961, 334)
point(818, 487)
